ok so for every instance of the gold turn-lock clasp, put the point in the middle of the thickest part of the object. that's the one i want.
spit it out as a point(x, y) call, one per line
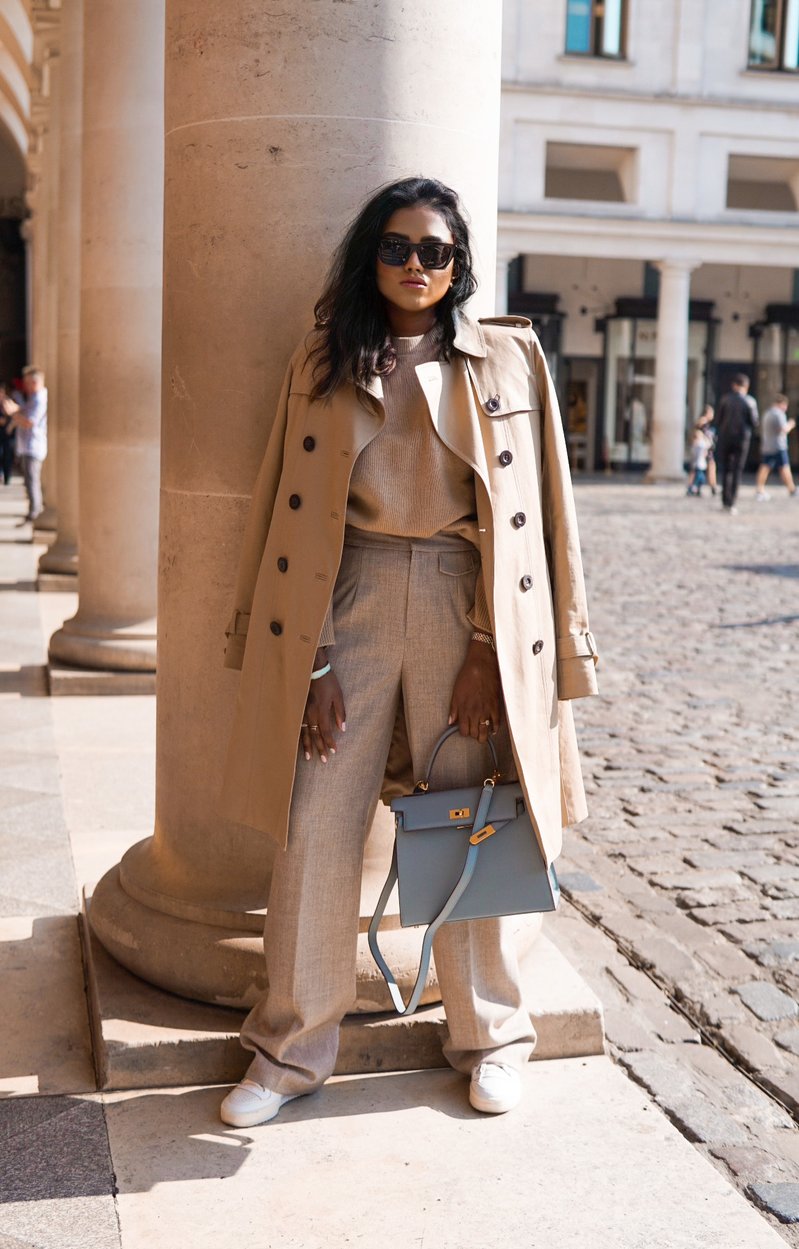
point(460, 813)
point(482, 834)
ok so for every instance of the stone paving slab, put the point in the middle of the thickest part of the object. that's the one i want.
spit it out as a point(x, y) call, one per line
point(399, 1160)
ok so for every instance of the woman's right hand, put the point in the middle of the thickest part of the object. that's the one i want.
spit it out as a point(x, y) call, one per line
point(324, 713)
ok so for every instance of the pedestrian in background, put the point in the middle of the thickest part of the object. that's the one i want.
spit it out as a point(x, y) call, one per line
point(7, 437)
point(736, 420)
point(30, 420)
point(701, 444)
point(706, 423)
point(774, 448)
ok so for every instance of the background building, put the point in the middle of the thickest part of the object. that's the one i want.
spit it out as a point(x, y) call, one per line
point(647, 144)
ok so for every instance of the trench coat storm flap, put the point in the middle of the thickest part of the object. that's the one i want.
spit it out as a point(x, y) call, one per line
point(494, 405)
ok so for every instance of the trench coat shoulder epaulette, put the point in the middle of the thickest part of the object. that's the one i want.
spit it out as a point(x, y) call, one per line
point(515, 323)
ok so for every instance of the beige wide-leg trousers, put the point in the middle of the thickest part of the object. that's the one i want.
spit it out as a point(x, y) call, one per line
point(399, 613)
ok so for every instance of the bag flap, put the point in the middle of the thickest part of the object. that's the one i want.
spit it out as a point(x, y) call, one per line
point(456, 808)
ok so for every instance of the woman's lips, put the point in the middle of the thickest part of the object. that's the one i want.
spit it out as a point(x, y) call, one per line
point(411, 282)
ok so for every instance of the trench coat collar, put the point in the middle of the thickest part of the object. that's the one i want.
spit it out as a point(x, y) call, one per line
point(469, 337)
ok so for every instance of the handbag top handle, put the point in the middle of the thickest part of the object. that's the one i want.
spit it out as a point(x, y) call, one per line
point(421, 787)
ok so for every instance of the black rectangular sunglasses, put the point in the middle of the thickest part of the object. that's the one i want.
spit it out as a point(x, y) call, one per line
point(431, 255)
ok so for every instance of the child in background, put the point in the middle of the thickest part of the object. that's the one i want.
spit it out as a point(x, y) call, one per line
point(701, 443)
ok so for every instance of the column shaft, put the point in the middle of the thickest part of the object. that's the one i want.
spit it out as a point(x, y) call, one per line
point(278, 126)
point(120, 338)
point(62, 556)
point(671, 371)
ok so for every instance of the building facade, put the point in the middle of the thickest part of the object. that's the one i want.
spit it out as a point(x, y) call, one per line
point(649, 205)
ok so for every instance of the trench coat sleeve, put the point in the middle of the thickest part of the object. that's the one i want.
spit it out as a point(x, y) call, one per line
point(576, 651)
point(258, 522)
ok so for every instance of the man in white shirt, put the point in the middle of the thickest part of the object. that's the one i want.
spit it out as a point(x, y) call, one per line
point(30, 420)
point(774, 447)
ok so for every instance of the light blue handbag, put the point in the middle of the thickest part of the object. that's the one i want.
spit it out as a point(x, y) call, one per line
point(468, 853)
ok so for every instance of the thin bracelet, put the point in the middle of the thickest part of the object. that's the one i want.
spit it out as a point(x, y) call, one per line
point(479, 636)
point(321, 672)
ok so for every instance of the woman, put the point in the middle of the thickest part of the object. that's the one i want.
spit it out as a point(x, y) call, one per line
point(411, 528)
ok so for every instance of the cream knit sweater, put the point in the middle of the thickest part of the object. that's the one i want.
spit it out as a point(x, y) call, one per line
point(406, 482)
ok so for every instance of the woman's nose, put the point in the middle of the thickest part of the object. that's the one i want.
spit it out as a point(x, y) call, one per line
point(413, 261)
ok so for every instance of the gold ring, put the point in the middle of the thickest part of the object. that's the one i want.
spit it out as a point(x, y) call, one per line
point(303, 726)
point(487, 723)
point(314, 728)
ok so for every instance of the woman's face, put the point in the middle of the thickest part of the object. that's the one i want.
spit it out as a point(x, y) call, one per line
point(410, 288)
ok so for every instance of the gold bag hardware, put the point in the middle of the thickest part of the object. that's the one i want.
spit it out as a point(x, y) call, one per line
point(460, 813)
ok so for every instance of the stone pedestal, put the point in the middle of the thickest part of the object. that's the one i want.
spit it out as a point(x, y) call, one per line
point(671, 371)
point(120, 339)
point(62, 557)
point(278, 126)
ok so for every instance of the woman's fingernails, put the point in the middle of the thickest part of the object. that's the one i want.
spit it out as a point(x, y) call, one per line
point(343, 726)
point(323, 758)
point(307, 756)
point(332, 750)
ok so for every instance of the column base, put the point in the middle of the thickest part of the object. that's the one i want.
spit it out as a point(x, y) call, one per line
point(91, 682)
point(655, 477)
point(221, 962)
point(125, 650)
point(145, 1037)
point(61, 559)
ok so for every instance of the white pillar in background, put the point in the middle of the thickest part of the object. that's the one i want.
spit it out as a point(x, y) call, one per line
point(671, 371)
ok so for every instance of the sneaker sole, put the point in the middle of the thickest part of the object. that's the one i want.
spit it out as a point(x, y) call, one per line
point(493, 1107)
point(251, 1118)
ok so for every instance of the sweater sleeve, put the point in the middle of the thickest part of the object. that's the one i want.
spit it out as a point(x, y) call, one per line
point(328, 637)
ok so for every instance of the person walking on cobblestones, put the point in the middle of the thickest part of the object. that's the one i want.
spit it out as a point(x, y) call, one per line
point(30, 420)
point(414, 505)
point(737, 418)
point(774, 447)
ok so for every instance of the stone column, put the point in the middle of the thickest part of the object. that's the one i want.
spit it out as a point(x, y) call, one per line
point(671, 371)
point(62, 556)
point(502, 285)
point(49, 361)
point(278, 125)
point(120, 338)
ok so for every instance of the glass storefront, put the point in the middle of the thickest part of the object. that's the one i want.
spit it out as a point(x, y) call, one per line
point(631, 346)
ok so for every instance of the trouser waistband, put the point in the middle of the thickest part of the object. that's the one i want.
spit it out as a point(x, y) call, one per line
point(438, 542)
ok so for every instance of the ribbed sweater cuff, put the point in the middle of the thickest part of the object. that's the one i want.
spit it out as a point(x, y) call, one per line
point(328, 637)
point(479, 617)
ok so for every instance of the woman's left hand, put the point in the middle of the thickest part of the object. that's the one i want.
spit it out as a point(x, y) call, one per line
point(476, 704)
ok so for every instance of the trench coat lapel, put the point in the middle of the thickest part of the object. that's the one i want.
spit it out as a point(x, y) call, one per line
point(453, 411)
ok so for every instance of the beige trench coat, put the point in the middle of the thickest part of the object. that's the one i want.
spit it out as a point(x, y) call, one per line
point(494, 405)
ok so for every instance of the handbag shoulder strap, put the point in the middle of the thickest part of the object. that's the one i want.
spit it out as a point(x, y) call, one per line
point(452, 901)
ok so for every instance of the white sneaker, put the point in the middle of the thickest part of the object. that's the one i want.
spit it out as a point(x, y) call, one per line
point(762, 497)
point(249, 1103)
point(495, 1088)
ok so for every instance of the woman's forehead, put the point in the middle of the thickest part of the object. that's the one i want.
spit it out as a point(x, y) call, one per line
point(419, 221)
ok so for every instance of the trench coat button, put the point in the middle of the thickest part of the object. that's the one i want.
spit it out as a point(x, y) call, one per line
point(282, 563)
point(526, 582)
point(309, 443)
point(505, 458)
point(519, 520)
point(277, 628)
point(492, 404)
point(538, 647)
point(295, 501)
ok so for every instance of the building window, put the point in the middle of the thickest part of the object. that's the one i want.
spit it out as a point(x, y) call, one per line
point(774, 35)
point(596, 27)
point(585, 171)
point(763, 183)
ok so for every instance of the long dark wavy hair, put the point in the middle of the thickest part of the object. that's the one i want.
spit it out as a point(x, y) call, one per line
point(353, 342)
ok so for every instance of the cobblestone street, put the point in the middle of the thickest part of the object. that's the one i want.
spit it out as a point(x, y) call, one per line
point(690, 859)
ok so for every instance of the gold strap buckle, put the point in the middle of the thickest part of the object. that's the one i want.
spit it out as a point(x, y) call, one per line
point(482, 834)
